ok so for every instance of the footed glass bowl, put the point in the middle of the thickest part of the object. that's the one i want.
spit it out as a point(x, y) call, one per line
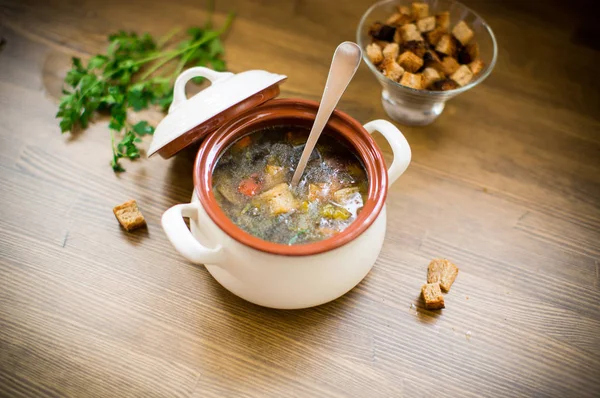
point(421, 107)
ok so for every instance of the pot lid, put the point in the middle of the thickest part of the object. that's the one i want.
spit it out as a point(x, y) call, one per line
point(191, 119)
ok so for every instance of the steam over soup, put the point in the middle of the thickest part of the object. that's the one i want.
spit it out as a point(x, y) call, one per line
point(251, 183)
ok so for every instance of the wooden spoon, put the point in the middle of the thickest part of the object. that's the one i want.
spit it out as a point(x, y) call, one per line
point(343, 66)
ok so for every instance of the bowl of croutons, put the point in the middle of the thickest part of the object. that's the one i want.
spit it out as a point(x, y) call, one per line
point(424, 53)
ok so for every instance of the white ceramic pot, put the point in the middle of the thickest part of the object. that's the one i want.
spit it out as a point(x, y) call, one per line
point(277, 275)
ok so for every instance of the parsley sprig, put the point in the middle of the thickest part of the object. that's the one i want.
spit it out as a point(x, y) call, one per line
point(135, 72)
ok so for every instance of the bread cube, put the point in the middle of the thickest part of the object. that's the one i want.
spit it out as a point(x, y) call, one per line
point(410, 62)
point(476, 66)
point(443, 272)
point(426, 24)
point(430, 76)
point(432, 295)
point(449, 65)
point(279, 199)
point(442, 20)
point(391, 51)
point(374, 53)
point(463, 75)
point(392, 70)
point(463, 33)
point(419, 10)
point(446, 45)
point(399, 18)
point(412, 80)
point(129, 215)
point(435, 35)
point(416, 47)
point(398, 36)
point(444, 85)
point(410, 32)
point(404, 10)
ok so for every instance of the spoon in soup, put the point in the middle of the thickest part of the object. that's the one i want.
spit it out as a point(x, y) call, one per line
point(343, 66)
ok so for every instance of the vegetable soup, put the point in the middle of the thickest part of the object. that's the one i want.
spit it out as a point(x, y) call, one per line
point(251, 183)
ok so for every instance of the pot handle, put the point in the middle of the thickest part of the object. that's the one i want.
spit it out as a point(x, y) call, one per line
point(187, 75)
point(400, 147)
point(183, 240)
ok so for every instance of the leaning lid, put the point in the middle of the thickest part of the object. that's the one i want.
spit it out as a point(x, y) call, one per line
point(191, 119)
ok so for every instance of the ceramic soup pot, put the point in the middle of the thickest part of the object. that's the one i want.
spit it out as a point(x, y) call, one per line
point(266, 273)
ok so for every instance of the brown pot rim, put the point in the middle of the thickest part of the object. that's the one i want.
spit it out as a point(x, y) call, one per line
point(301, 111)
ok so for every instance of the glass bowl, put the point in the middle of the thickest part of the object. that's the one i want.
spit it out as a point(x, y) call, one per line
point(421, 107)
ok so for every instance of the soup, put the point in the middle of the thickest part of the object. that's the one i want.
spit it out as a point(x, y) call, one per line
point(251, 183)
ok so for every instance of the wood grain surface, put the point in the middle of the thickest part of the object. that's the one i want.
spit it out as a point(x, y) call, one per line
point(506, 183)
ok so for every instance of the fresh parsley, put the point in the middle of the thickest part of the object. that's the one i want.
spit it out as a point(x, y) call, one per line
point(136, 72)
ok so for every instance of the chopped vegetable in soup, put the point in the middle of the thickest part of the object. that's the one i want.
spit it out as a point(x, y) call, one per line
point(251, 183)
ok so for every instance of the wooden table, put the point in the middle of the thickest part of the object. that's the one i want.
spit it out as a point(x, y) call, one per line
point(506, 183)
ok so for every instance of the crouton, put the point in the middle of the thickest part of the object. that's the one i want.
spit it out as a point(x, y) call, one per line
point(398, 36)
point(476, 66)
point(412, 80)
point(426, 24)
point(379, 31)
point(279, 199)
point(399, 18)
point(468, 53)
point(430, 76)
point(435, 35)
point(442, 20)
point(404, 10)
point(392, 69)
point(420, 10)
point(446, 45)
point(318, 191)
point(445, 85)
point(432, 295)
point(410, 32)
point(374, 53)
point(416, 47)
point(431, 56)
point(129, 216)
point(449, 65)
point(462, 32)
point(443, 272)
point(391, 51)
point(410, 62)
point(462, 76)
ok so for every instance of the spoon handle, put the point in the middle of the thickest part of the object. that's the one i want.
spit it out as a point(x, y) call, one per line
point(346, 60)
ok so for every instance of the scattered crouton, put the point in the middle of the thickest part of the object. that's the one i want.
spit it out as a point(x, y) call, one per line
point(449, 65)
point(394, 19)
point(463, 75)
point(391, 51)
point(410, 62)
point(399, 18)
point(420, 10)
point(398, 36)
point(404, 10)
point(129, 215)
point(410, 32)
point(435, 35)
point(412, 80)
point(392, 69)
point(442, 20)
point(445, 85)
point(463, 33)
point(476, 66)
point(416, 47)
point(446, 45)
point(280, 199)
point(430, 76)
point(426, 24)
point(443, 272)
point(431, 56)
point(432, 295)
point(374, 53)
